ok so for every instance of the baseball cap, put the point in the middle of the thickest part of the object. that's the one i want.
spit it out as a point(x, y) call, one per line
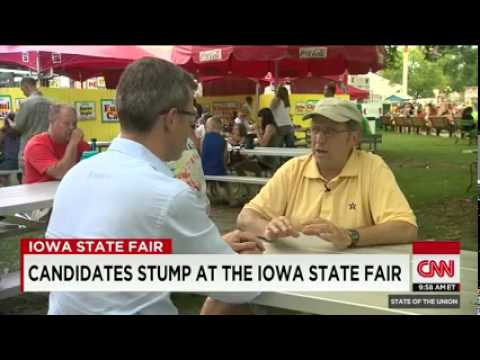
point(336, 110)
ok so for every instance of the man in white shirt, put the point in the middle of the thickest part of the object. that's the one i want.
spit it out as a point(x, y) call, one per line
point(129, 192)
point(242, 118)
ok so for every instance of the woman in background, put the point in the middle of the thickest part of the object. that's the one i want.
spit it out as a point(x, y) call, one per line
point(280, 107)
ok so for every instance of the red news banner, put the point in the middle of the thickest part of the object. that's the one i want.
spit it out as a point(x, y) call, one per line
point(90, 247)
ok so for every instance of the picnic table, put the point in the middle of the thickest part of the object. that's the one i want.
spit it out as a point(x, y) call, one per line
point(25, 198)
point(365, 303)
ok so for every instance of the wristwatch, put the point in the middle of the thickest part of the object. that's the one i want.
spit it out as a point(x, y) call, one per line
point(355, 236)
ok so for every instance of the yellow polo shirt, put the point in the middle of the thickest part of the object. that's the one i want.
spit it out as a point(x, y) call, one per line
point(365, 193)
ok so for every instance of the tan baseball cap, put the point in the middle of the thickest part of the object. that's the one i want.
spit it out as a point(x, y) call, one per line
point(336, 110)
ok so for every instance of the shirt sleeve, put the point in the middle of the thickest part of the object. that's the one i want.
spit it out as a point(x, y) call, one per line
point(40, 157)
point(22, 116)
point(192, 232)
point(387, 201)
point(271, 201)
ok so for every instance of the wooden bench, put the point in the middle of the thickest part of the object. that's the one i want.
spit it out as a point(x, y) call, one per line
point(372, 141)
point(440, 123)
point(387, 122)
point(14, 176)
point(402, 122)
point(419, 124)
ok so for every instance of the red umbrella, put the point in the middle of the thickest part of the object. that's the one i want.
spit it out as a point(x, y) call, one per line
point(314, 85)
point(224, 86)
point(76, 62)
point(281, 60)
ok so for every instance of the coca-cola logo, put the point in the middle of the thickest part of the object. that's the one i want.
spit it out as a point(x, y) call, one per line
point(210, 55)
point(313, 53)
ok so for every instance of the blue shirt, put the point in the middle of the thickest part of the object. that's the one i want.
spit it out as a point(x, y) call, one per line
point(128, 192)
point(213, 154)
point(11, 146)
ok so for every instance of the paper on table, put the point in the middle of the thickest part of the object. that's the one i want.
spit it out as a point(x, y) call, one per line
point(304, 244)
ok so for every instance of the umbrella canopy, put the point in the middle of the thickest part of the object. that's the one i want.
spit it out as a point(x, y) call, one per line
point(76, 62)
point(281, 60)
point(314, 85)
point(224, 86)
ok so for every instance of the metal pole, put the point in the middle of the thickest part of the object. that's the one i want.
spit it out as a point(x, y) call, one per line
point(38, 67)
point(405, 71)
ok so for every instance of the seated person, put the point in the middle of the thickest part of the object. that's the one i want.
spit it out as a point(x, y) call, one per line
point(9, 147)
point(243, 115)
point(237, 138)
point(238, 135)
point(345, 196)
point(214, 148)
point(468, 123)
point(49, 155)
point(268, 136)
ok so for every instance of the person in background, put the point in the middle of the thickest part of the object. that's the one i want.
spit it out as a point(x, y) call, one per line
point(268, 136)
point(238, 135)
point(430, 111)
point(32, 118)
point(9, 146)
point(280, 107)
point(198, 107)
point(243, 118)
point(467, 123)
point(200, 128)
point(51, 154)
point(330, 89)
point(248, 105)
point(214, 148)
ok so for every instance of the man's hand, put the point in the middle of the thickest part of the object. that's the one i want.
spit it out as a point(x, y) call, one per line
point(76, 137)
point(328, 231)
point(244, 242)
point(280, 227)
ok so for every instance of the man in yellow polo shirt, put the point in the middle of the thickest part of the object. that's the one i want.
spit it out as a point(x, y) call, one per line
point(343, 195)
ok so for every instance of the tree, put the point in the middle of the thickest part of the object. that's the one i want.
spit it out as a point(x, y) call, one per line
point(458, 63)
point(423, 76)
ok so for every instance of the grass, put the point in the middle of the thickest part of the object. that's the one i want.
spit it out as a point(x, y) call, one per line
point(432, 172)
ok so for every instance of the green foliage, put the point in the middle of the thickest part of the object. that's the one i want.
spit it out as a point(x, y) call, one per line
point(447, 68)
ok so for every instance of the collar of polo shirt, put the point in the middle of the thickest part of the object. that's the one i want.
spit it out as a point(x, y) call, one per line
point(351, 168)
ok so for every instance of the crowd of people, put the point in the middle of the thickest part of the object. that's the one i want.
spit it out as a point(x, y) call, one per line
point(458, 116)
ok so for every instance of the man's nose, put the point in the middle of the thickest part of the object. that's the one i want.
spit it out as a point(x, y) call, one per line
point(320, 137)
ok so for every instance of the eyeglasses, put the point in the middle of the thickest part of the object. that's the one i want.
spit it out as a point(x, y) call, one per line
point(327, 132)
point(184, 112)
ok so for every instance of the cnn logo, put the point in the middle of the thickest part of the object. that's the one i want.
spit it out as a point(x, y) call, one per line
point(430, 268)
point(436, 262)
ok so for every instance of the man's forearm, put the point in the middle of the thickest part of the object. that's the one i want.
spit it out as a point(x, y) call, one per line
point(250, 220)
point(66, 163)
point(393, 232)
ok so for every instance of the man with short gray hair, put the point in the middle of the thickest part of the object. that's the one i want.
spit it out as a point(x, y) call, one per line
point(128, 191)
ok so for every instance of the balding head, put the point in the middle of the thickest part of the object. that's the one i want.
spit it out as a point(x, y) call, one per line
point(214, 124)
point(62, 121)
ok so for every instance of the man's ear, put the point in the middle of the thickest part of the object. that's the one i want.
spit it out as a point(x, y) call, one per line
point(356, 137)
point(168, 122)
